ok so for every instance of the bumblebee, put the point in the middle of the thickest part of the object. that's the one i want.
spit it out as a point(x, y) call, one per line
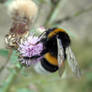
point(56, 50)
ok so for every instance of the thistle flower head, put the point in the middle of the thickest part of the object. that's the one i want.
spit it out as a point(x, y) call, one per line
point(23, 13)
point(23, 8)
point(29, 48)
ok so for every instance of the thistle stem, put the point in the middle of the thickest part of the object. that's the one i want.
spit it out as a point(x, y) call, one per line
point(9, 56)
point(7, 84)
point(54, 12)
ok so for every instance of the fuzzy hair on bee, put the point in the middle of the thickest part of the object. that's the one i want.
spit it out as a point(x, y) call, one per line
point(55, 42)
point(56, 49)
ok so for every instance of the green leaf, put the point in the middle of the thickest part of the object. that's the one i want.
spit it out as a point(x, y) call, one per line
point(4, 52)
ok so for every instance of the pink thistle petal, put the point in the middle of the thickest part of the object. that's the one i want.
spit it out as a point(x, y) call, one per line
point(29, 49)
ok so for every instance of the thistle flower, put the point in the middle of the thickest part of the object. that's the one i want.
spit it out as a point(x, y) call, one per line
point(23, 13)
point(29, 48)
point(23, 8)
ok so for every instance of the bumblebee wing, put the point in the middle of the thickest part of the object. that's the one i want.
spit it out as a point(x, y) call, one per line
point(60, 57)
point(72, 62)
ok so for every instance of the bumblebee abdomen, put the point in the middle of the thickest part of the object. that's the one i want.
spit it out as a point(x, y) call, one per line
point(44, 67)
point(49, 61)
point(48, 66)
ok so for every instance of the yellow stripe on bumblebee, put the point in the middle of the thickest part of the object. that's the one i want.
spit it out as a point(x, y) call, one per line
point(51, 59)
point(53, 33)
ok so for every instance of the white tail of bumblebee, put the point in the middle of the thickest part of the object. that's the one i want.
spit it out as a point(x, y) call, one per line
point(23, 9)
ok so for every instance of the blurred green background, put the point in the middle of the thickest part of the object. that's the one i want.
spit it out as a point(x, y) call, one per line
point(75, 16)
